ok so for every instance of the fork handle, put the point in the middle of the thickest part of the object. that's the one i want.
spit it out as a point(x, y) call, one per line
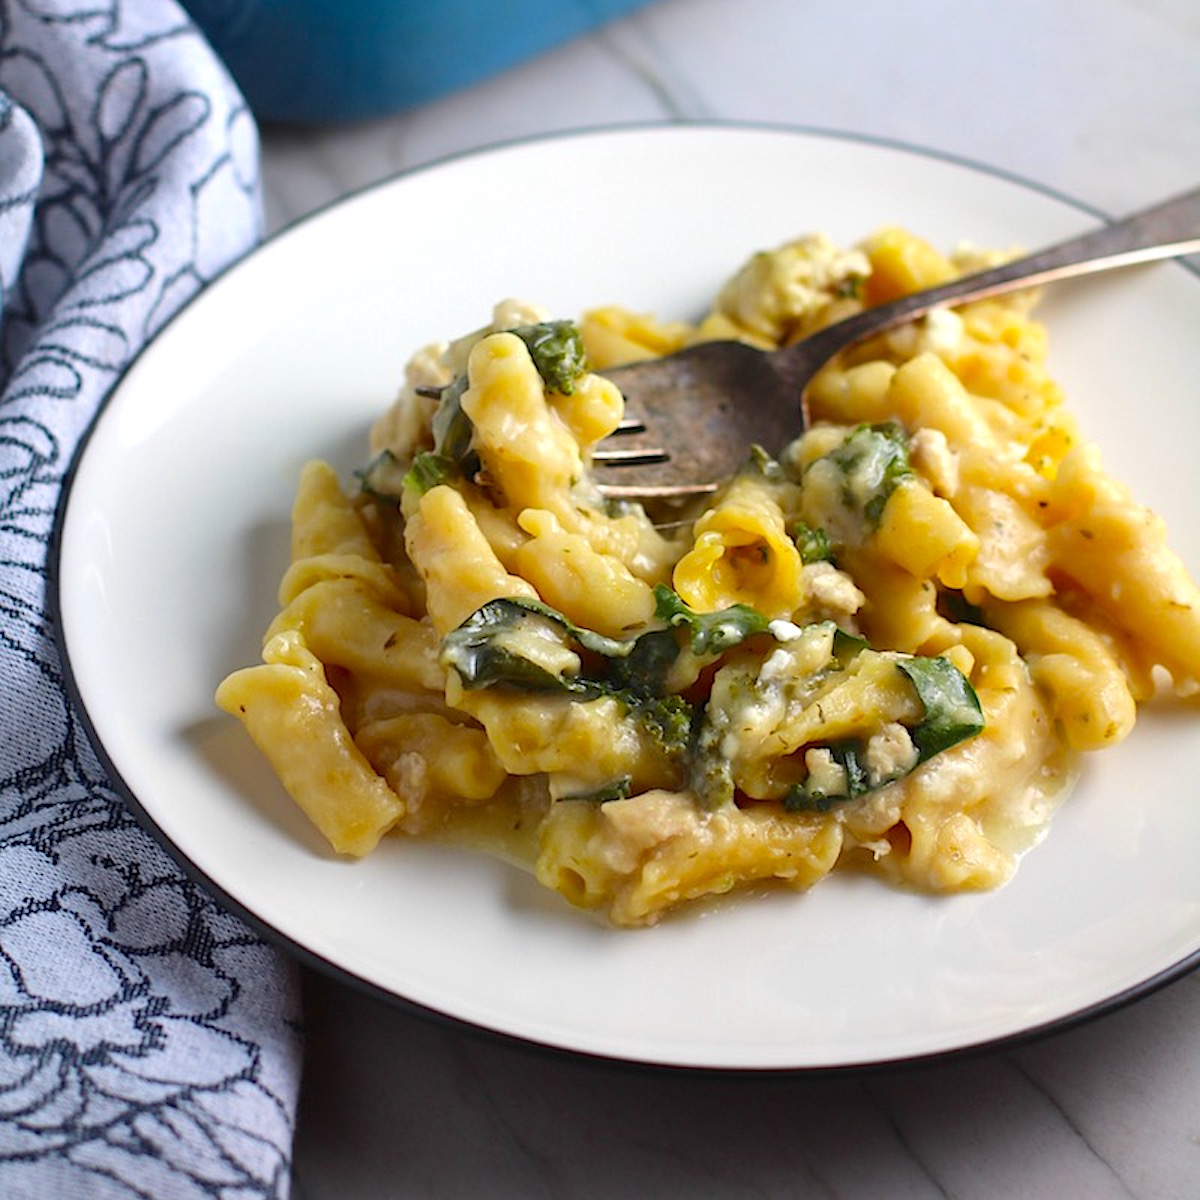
point(1165, 230)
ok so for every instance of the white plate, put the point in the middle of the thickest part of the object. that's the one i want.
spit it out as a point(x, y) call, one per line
point(175, 534)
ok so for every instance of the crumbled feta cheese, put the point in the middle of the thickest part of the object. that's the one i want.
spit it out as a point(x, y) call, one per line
point(784, 631)
point(930, 453)
point(943, 331)
point(890, 753)
point(750, 724)
point(825, 774)
point(775, 666)
point(832, 589)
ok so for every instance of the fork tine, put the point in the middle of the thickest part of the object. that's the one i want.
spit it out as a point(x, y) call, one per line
point(631, 458)
point(668, 491)
point(629, 425)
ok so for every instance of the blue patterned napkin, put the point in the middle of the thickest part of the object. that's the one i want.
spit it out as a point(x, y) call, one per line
point(148, 1041)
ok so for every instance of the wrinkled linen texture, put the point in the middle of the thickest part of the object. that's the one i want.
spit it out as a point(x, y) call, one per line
point(149, 1045)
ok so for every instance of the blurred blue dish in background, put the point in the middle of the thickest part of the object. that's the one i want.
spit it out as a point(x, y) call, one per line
point(341, 60)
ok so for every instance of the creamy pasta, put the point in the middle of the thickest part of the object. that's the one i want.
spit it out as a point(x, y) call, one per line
point(880, 648)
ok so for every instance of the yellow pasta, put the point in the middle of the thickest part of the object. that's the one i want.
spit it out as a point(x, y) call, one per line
point(742, 554)
point(923, 534)
point(324, 522)
point(1077, 668)
point(346, 626)
point(293, 715)
point(1013, 553)
point(528, 454)
point(637, 858)
point(435, 763)
point(900, 263)
point(459, 567)
point(925, 394)
point(882, 649)
point(593, 589)
point(1117, 552)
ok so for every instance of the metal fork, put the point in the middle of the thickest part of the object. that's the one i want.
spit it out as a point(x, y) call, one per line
point(714, 400)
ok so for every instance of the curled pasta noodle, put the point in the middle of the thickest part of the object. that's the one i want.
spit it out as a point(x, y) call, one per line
point(1117, 552)
point(742, 554)
point(580, 747)
point(459, 567)
point(323, 521)
point(900, 262)
point(925, 394)
point(376, 577)
point(641, 857)
point(923, 534)
point(345, 625)
point(1014, 557)
point(286, 703)
point(435, 763)
point(1077, 668)
point(594, 589)
point(528, 454)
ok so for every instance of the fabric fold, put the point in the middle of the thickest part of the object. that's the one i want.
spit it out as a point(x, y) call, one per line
point(149, 1041)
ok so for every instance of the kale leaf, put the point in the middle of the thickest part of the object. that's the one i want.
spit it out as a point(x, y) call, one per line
point(556, 348)
point(710, 633)
point(873, 459)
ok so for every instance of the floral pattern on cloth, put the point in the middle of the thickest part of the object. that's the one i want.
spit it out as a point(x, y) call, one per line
point(149, 1041)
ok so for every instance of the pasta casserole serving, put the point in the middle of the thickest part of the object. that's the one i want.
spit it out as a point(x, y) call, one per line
point(880, 648)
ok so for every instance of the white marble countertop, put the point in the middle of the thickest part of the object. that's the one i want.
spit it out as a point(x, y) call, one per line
point(1098, 100)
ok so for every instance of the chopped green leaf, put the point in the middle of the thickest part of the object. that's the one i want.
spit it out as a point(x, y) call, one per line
point(452, 428)
point(813, 543)
point(382, 478)
point(952, 710)
point(618, 789)
point(873, 459)
point(711, 633)
point(850, 287)
point(847, 646)
point(515, 643)
point(765, 464)
point(452, 453)
point(556, 348)
point(644, 670)
point(427, 470)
